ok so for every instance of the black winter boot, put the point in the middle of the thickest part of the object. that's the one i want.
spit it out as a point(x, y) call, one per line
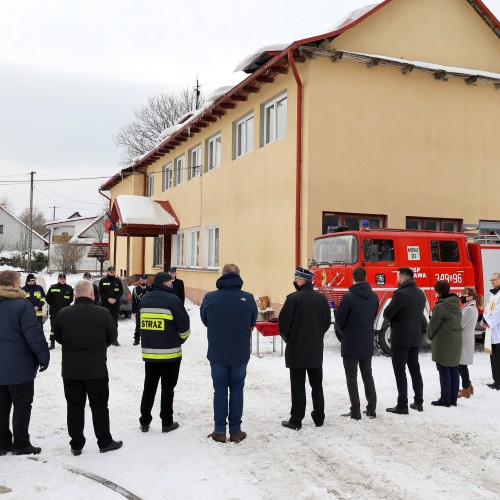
point(52, 343)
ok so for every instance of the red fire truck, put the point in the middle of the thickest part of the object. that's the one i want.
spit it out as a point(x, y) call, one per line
point(432, 256)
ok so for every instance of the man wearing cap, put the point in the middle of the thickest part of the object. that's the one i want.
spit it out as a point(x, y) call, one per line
point(303, 322)
point(177, 284)
point(111, 291)
point(164, 327)
point(87, 276)
point(36, 295)
point(139, 291)
point(59, 295)
point(229, 314)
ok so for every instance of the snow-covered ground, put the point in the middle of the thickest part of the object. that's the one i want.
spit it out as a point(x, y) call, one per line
point(443, 453)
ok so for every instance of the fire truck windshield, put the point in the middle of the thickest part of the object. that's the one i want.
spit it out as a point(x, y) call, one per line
point(336, 249)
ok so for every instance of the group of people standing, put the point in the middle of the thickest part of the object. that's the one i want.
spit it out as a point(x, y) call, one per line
point(229, 313)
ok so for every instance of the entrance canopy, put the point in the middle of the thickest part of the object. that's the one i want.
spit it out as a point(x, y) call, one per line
point(141, 216)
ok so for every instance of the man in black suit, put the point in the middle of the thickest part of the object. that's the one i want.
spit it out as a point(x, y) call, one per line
point(177, 284)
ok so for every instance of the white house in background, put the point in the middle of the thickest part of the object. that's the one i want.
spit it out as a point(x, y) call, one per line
point(76, 230)
point(14, 233)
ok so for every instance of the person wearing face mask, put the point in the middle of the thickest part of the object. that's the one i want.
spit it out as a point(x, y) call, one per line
point(470, 302)
point(445, 331)
point(404, 314)
point(303, 322)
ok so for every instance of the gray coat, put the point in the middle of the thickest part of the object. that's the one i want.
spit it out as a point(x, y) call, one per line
point(469, 320)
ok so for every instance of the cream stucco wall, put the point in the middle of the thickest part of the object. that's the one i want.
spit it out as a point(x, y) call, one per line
point(375, 141)
point(448, 32)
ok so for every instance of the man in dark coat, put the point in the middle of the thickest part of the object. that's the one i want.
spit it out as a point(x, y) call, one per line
point(229, 315)
point(88, 277)
point(303, 322)
point(164, 328)
point(59, 295)
point(111, 291)
point(354, 318)
point(139, 291)
point(36, 295)
point(23, 349)
point(85, 332)
point(405, 314)
point(177, 284)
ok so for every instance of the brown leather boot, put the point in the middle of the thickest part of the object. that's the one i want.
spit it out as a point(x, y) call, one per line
point(471, 389)
point(464, 393)
point(236, 437)
point(218, 436)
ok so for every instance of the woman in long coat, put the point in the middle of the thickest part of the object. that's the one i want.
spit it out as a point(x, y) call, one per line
point(471, 301)
point(445, 331)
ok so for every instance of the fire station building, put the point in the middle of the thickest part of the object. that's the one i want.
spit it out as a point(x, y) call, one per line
point(391, 117)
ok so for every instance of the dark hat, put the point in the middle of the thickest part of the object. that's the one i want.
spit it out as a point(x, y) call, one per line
point(111, 268)
point(30, 277)
point(172, 270)
point(160, 278)
point(143, 277)
point(87, 275)
point(304, 273)
point(62, 275)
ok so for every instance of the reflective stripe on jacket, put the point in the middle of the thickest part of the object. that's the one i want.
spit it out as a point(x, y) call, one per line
point(164, 325)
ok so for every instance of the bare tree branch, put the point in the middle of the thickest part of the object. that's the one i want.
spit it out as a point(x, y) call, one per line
point(151, 119)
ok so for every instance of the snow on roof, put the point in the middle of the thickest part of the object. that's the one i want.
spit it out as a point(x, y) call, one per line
point(4, 208)
point(218, 93)
point(168, 132)
point(143, 210)
point(255, 55)
point(432, 66)
point(74, 219)
point(353, 16)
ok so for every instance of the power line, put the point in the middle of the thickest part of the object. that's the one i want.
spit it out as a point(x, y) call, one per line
point(72, 199)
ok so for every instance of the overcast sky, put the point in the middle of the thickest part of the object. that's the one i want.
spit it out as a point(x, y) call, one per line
point(72, 71)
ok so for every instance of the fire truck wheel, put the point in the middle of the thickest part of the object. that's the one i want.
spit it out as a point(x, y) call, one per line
point(383, 340)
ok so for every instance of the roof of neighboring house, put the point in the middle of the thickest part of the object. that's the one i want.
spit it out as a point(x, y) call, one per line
point(73, 219)
point(264, 68)
point(2, 207)
point(96, 220)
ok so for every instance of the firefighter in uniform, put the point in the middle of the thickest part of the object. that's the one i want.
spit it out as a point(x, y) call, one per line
point(111, 291)
point(177, 284)
point(164, 326)
point(88, 277)
point(139, 291)
point(36, 295)
point(59, 295)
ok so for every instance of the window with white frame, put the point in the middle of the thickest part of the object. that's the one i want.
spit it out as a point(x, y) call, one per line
point(151, 185)
point(179, 170)
point(213, 149)
point(195, 162)
point(193, 247)
point(274, 116)
point(211, 244)
point(166, 177)
point(243, 136)
point(178, 249)
point(158, 251)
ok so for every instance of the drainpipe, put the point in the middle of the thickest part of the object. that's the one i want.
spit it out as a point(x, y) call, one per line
point(109, 239)
point(298, 168)
point(143, 238)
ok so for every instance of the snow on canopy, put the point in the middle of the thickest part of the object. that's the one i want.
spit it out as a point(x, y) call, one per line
point(254, 56)
point(353, 16)
point(142, 210)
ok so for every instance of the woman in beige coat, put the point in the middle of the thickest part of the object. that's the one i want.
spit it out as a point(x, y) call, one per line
point(471, 301)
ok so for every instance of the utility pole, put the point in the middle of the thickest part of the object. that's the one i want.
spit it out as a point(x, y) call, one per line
point(198, 93)
point(54, 212)
point(30, 234)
